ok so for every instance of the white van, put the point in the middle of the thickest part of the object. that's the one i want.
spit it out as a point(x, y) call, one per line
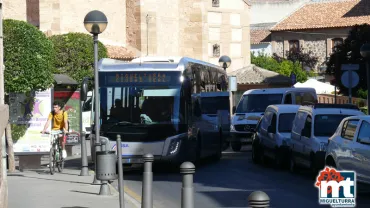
point(312, 127)
point(254, 102)
point(272, 135)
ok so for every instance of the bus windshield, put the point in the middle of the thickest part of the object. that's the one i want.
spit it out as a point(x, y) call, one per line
point(257, 102)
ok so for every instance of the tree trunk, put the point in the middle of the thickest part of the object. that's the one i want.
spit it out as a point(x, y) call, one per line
point(9, 139)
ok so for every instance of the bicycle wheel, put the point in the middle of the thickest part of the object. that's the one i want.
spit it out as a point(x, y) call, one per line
point(52, 161)
point(60, 161)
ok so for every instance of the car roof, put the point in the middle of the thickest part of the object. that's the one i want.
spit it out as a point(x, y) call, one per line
point(278, 90)
point(362, 117)
point(284, 108)
point(214, 94)
point(334, 110)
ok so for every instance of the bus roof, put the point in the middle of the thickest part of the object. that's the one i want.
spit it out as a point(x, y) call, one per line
point(153, 63)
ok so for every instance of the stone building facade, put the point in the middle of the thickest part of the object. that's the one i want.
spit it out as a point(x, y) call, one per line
point(318, 27)
point(201, 29)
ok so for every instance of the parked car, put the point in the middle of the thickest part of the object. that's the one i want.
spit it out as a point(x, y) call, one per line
point(312, 127)
point(349, 147)
point(252, 105)
point(272, 135)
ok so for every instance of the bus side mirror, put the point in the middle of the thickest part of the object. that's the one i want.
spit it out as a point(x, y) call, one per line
point(84, 89)
point(234, 109)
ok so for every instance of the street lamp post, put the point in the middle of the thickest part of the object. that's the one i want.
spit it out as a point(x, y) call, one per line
point(225, 62)
point(365, 52)
point(96, 22)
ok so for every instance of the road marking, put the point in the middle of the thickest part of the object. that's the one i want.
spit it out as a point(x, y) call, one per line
point(132, 193)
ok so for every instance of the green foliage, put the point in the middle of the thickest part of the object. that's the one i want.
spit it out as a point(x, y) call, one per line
point(349, 53)
point(361, 93)
point(28, 58)
point(282, 66)
point(75, 55)
point(18, 131)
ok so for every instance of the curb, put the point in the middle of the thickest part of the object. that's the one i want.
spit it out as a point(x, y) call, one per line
point(127, 197)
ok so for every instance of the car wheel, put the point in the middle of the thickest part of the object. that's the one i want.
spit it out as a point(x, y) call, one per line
point(255, 154)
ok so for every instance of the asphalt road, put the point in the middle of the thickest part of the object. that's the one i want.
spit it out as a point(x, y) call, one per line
point(229, 182)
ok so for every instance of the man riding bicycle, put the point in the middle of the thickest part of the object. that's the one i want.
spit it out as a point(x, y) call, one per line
point(59, 119)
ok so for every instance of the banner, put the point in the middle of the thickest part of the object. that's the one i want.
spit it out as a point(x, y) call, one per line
point(71, 99)
point(30, 112)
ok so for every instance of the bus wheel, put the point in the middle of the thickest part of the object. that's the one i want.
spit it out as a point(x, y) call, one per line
point(236, 146)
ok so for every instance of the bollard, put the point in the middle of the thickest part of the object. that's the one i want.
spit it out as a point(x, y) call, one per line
point(120, 173)
point(187, 169)
point(104, 188)
point(84, 162)
point(259, 199)
point(147, 200)
point(97, 149)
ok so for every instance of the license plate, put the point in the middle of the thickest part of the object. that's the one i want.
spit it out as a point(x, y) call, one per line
point(246, 140)
point(132, 160)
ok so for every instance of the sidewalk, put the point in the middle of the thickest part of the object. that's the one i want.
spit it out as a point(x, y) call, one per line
point(37, 188)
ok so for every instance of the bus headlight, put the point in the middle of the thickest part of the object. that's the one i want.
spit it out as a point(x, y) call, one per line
point(174, 146)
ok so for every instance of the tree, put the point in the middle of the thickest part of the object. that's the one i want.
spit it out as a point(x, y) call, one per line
point(349, 53)
point(29, 60)
point(301, 56)
point(279, 65)
point(28, 57)
point(75, 54)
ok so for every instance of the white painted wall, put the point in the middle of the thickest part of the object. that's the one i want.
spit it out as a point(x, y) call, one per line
point(263, 48)
point(273, 12)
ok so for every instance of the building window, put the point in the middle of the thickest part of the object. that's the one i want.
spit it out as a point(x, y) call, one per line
point(293, 45)
point(216, 3)
point(336, 42)
point(216, 50)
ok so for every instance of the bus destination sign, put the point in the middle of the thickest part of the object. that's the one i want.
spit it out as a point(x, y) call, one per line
point(134, 77)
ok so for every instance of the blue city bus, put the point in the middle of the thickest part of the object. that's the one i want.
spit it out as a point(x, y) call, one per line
point(150, 105)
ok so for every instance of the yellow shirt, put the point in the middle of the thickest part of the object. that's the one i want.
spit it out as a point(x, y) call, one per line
point(58, 120)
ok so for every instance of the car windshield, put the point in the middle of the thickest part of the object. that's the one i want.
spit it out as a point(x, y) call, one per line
point(326, 125)
point(286, 122)
point(257, 102)
point(210, 105)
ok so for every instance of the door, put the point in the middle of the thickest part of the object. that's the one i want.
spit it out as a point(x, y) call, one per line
point(362, 151)
point(298, 124)
point(352, 159)
point(270, 137)
point(306, 142)
point(266, 119)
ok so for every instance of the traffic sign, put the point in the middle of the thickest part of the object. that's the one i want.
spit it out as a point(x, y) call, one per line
point(350, 67)
point(346, 80)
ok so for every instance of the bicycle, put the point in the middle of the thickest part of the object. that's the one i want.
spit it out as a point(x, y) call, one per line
point(56, 155)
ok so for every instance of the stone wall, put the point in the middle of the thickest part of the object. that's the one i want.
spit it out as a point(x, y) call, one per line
point(63, 16)
point(133, 24)
point(319, 41)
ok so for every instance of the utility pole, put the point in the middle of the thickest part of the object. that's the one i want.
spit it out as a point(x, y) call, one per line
point(147, 34)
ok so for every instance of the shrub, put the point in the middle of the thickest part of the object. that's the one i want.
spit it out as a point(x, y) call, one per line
point(75, 54)
point(281, 66)
point(28, 58)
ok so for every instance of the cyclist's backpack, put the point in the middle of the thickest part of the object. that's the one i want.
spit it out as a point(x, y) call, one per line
point(53, 113)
